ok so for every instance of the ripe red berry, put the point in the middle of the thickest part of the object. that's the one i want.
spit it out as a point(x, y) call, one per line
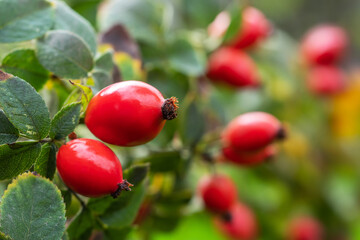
point(252, 131)
point(248, 158)
point(90, 168)
point(218, 192)
point(305, 228)
point(232, 67)
point(129, 113)
point(324, 44)
point(239, 223)
point(326, 80)
point(254, 28)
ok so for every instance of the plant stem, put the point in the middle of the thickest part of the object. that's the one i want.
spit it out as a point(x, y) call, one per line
point(78, 198)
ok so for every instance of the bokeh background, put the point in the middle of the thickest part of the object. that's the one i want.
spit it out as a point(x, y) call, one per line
point(317, 169)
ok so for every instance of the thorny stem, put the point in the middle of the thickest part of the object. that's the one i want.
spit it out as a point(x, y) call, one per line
point(124, 185)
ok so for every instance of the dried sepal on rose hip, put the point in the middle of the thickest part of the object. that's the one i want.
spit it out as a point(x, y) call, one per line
point(91, 168)
point(129, 113)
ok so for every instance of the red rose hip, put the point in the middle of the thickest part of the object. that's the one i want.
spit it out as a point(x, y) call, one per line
point(324, 44)
point(252, 131)
point(248, 158)
point(90, 168)
point(239, 223)
point(305, 228)
point(326, 80)
point(218, 192)
point(129, 113)
point(255, 27)
point(232, 67)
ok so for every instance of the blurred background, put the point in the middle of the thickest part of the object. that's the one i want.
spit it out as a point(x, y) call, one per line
point(316, 171)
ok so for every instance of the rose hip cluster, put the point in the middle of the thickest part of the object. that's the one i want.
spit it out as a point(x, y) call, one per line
point(232, 218)
point(322, 48)
point(230, 64)
point(126, 114)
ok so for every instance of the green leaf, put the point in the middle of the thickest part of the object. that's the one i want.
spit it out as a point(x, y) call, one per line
point(235, 11)
point(45, 164)
point(22, 20)
point(192, 125)
point(163, 161)
point(80, 228)
point(103, 71)
point(122, 211)
point(8, 133)
point(104, 61)
point(32, 208)
point(17, 157)
point(4, 237)
point(80, 93)
point(65, 121)
point(68, 19)
point(24, 107)
point(24, 64)
point(184, 58)
point(121, 41)
point(65, 54)
point(113, 234)
point(140, 17)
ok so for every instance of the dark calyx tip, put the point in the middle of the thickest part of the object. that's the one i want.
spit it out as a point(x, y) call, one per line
point(169, 108)
point(226, 217)
point(281, 134)
point(72, 136)
point(124, 185)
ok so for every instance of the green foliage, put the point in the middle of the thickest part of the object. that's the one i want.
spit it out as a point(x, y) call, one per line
point(17, 157)
point(183, 58)
point(32, 208)
point(138, 16)
point(24, 64)
point(8, 133)
point(103, 70)
point(24, 107)
point(22, 20)
point(68, 19)
point(45, 164)
point(65, 121)
point(80, 228)
point(64, 54)
point(163, 161)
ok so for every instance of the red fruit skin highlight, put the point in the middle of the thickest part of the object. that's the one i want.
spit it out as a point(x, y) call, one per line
point(232, 67)
point(218, 192)
point(324, 44)
point(242, 224)
point(126, 114)
point(251, 131)
point(89, 167)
